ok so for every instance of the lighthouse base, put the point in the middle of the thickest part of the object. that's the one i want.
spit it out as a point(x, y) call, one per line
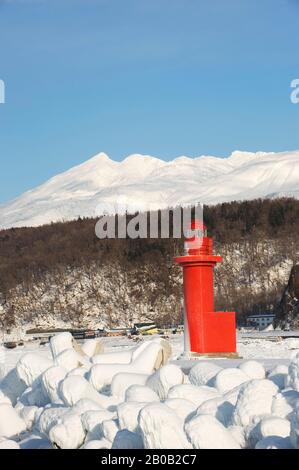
point(194, 356)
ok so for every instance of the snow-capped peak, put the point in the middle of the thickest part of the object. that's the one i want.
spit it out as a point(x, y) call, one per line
point(154, 183)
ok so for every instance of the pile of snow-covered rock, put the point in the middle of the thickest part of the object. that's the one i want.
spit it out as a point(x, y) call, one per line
point(88, 399)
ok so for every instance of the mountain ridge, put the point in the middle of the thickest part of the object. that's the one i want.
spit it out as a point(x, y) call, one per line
point(83, 190)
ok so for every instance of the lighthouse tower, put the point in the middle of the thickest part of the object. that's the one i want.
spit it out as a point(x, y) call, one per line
point(206, 332)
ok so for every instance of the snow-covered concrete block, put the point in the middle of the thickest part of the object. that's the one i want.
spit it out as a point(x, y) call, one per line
point(161, 428)
point(293, 374)
point(28, 414)
point(146, 362)
point(274, 426)
point(68, 433)
point(31, 366)
point(284, 403)
point(85, 404)
point(164, 379)
point(92, 423)
point(50, 381)
point(238, 434)
point(60, 342)
point(122, 381)
point(181, 406)
point(48, 418)
point(70, 359)
point(229, 378)
point(92, 347)
point(294, 435)
point(254, 401)
point(11, 424)
point(141, 393)
point(196, 395)
point(253, 369)
point(202, 372)
point(110, 428)
point(128, 413)
point(74, 388)
point(206, 432)
point(218, 407)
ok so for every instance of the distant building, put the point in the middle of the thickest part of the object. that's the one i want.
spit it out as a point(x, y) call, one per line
point(260, 321)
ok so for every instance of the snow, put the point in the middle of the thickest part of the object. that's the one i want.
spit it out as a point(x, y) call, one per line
point(203, 372)
point(157, 423)
point(141, 393)
point(229, 378)
point(155, 184)
point(122, 381)
point(31, 366)
point(253, 369)
point(293, 373)
point(254, 401)
point(50, 382)
point(68, 433)
point(128, 413)
point(196, 395)
point(202, 429)
point(182, 407)
point(228, 403)
point(11, 424)
point(164, 379)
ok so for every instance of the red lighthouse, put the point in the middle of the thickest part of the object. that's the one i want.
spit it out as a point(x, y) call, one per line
point(206, 331)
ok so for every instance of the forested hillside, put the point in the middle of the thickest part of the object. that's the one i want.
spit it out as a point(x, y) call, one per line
point(62, 274)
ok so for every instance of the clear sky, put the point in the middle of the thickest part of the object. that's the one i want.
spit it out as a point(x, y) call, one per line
point(160, 77)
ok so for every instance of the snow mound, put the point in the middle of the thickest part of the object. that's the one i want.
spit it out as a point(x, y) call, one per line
point(182, 407)
point(293, 373)
point(128, 413)
point(253, 369)
point(157, 423)
point(196, 395)
point(228, 379)
point(202, 430)
point(254, 401)
point(203, 372)
point(164, 379)
point(11, 425)
point(141, 393)
point(31, 366)
point(122, 381)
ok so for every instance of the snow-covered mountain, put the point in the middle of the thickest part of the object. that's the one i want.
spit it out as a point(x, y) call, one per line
point(150, 183)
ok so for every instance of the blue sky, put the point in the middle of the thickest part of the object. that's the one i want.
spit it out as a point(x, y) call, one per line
point(161, 77)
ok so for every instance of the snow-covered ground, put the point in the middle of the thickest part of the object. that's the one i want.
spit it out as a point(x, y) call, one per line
point(123, 394)
point(271, 348)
